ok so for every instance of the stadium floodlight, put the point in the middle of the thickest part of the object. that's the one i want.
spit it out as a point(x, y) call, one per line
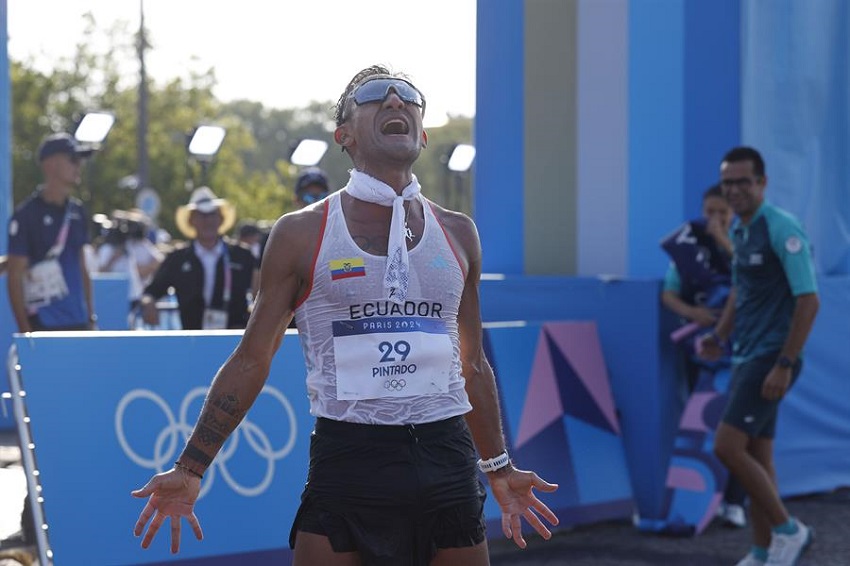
point(93, 127)
point(205, 141)
point(308, 152)
point(461, 157)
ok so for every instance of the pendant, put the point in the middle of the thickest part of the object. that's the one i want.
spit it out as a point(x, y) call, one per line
point(408, 233)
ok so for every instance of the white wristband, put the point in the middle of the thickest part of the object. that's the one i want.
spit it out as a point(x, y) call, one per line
point(494, 464)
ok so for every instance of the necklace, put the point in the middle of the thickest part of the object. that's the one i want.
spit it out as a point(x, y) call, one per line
point(408, 233)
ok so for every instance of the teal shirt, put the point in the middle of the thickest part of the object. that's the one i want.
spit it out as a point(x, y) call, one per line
point(772, 265)
point(672, 280)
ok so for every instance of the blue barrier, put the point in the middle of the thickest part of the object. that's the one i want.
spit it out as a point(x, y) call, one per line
point(813, 445)
point(76, 383)
point(108, 410)
point(633, 330)
point(559, 418)
point(110, 302)
point(105, 414)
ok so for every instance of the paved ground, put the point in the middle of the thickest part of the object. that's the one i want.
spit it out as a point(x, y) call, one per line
point(620, 544)
point(606, 544)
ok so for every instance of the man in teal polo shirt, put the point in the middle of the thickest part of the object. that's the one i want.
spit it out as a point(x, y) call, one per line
point(772, 308)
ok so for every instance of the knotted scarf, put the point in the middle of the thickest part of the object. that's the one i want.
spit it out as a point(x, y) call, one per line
point(363, 187)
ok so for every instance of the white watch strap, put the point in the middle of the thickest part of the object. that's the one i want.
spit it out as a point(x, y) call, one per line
point(494, 464)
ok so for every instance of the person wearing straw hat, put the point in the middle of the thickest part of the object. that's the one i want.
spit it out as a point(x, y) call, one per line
point(212, 278)
point(404, 398)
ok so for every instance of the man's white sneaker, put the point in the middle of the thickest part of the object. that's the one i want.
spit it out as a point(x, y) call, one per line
point(786, 550)
point(750, 560)
point(733, 515)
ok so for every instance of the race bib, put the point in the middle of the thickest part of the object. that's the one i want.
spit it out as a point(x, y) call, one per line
point(44, 284)
point(214, 319)
point(391, 357)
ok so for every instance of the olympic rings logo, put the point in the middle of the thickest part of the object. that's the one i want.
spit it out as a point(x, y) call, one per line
point(173, 437)
point(395, 384)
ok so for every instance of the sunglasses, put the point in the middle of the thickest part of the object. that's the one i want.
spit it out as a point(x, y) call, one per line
point(310, 198)
point(742, 183)
point(377, 90)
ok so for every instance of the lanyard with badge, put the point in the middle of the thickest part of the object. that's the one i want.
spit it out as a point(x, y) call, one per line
point(45, 282)
point(216, 319)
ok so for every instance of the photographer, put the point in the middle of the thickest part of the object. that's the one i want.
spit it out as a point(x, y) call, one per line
point(125, 248)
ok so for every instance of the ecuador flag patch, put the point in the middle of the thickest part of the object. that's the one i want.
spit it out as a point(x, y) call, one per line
point(345, 268)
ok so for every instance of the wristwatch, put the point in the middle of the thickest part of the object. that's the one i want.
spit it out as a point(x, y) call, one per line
point(785, 362)
point(494, 464)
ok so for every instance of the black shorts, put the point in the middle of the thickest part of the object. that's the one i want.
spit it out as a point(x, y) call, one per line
point(746, 409)
point(395, 494)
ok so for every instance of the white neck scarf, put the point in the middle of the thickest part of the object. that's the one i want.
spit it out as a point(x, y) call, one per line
point(363, 187)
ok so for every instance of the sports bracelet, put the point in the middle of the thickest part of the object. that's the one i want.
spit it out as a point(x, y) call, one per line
point(182, 466)
point(494, 464)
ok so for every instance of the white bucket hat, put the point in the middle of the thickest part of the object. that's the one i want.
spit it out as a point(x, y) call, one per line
point(204, 200)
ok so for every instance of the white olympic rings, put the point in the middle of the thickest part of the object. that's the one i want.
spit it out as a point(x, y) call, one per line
point(176, 432)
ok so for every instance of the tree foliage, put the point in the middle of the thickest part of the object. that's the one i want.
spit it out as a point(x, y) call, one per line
point(251, 169)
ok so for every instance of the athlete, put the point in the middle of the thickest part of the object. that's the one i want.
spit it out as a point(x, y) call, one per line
point(383, 285)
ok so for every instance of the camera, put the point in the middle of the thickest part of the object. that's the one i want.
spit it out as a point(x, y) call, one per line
point(121, 227)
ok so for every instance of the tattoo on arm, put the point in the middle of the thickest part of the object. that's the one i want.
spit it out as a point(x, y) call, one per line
point(196, 454)
point(219, 417)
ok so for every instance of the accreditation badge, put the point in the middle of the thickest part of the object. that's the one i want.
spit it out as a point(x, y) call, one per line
point(44, 284)
point(391, 357)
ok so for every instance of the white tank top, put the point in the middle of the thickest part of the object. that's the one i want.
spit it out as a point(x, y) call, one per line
point(370, 360)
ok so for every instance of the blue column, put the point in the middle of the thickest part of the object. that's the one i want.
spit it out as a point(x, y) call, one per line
point(712, 76)
point(796, 112)
point(602, 128)
point(499, 174)
point(656, 130)
point(5, 131)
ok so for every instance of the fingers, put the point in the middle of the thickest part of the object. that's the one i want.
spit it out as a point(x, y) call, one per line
point(196, 526)
point(537, 524)
point(153, 529)
point(547, 513)
point(506, 525)
point(144, 516)
point(144, 491)
point(772, 393)
point(516, 528)
point(175, 533)
point(543, 485)
point(512, 529)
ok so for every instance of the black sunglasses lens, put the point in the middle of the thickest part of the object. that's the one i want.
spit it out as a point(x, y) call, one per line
point(378, 89)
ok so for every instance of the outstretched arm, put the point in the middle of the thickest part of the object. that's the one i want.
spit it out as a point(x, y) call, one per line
point(237, 383)
point(512, 488)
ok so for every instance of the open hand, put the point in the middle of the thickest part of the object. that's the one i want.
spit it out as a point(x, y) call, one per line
point(172, 495)
point(513, 490)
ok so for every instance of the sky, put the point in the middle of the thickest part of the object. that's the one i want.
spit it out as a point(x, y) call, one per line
point(283, 53)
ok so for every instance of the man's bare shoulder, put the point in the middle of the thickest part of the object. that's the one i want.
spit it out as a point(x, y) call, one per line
point(295, 237)
point(457, 224)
